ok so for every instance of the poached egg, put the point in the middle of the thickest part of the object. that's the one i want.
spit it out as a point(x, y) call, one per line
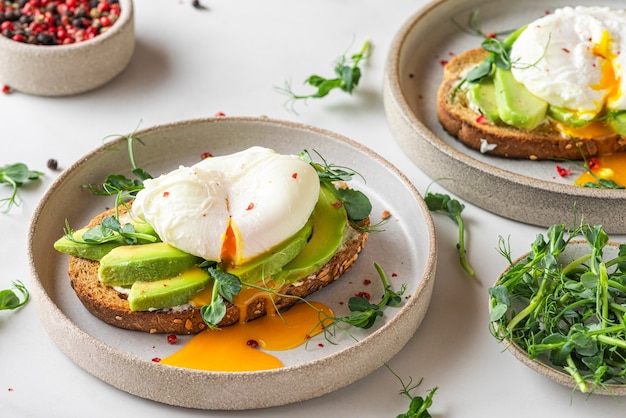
point(573, 59)
point(231, 208)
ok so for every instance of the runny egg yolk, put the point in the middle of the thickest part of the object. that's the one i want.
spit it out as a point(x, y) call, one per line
point(233, 349)
point(229, 246)
point(609, 82)
point(596, 129)
point(609, 167)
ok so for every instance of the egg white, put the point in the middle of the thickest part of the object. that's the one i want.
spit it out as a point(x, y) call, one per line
point(556, 58)
point(264, 196)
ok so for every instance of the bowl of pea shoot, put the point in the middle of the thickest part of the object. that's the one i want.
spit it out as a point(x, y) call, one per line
point(561, 308)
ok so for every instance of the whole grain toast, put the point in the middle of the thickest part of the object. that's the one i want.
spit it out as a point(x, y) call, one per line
point(542, 143)
point(111, 306)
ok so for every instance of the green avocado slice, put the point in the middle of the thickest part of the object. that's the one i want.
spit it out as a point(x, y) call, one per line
point(168, 292)
point(516, 105)
point(329, 223)
point(273, 262)
point(127, 264)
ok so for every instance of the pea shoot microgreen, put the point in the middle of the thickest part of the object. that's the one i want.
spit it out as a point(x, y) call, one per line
point(15, 175)
point(357, 204)
point(499, 56)
point(443, 203)
point(418, 408)
point(474, 27)
point(347, 77)
point(225, 286)
point(363, 313)
point(109, 230)
point(571, 311)
point(124, 189)
point(9, 299)
point(119, 184)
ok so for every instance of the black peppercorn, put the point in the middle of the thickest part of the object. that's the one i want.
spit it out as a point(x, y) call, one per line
point(52, 164)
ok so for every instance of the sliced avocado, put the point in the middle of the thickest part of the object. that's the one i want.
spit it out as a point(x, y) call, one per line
point(566, 116)
point(124, 265)
point(272, 262)
point(516, 105)
point(329, 222)
point(483, 96)
point(97, 251)
point(618, 122)
point(168, 292)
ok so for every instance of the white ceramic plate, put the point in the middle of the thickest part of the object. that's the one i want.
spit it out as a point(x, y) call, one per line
point(541, 364)
point(406, 250)
point(523, 190)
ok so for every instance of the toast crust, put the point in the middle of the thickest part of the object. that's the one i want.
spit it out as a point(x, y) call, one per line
point(542, 143)
point(111, 306)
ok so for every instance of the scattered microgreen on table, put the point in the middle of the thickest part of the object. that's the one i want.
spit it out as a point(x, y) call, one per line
point(347, 77)
point(438, 202)
point(15, 175)
point(10, 300)
point(418, 408)
point(575, 313)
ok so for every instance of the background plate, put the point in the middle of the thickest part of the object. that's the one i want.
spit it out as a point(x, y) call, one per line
point(123, 358)
point(523, 190)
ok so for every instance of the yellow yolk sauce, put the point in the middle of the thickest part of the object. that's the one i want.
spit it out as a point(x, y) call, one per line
point(237, 348)
point(596, 129)
point(609, 167)
point(609, 81)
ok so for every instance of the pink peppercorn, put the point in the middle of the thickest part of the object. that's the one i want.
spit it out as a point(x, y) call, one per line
point(56, 22)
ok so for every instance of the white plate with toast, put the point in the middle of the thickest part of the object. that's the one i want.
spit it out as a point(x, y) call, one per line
point(406, 250)
point(523, 190)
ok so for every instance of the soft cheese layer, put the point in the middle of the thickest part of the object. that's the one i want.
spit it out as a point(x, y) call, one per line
point(232, 207)
point(573, 59)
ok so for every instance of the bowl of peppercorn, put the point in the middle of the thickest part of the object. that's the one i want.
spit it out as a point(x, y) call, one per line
point(64, 47)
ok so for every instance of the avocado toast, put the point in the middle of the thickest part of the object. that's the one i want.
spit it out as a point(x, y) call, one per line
point(158, 288)
point(544, 92)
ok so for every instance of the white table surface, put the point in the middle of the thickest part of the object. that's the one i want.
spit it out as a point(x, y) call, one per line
point(189, 64)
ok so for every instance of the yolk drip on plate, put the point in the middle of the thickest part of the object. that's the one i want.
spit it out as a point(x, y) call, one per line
point(230, 349)
point(609, 167)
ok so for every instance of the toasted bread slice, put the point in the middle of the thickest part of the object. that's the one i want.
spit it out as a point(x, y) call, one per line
point(542, 143)
point(111, 306)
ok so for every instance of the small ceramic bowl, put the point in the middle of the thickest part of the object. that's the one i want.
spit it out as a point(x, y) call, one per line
point(61, 70)
point(541, 363)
